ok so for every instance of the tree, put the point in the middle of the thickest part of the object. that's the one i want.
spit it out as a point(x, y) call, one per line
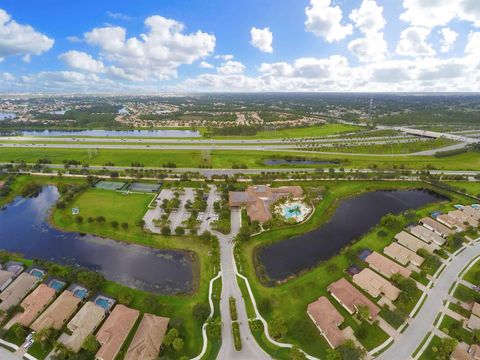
point(170, 337)
point(333, 355)
point(201, 311)
point(177, 344)
point(79, 219)
point(125, 298)
point(114, 224)
point(152, 302)
point(124, 225)
point(92, 280)
point(278, 328)
point(297, 354)
point(165, 230)
point(100, 219)
point(363, 312)
point(349, 351)
point(20, 332)
point(91, 344)
point(445, 348)
point(179, 230)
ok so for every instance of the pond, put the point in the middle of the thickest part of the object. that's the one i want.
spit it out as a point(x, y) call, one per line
point(6, 116)
point(352, 218)
point(273, 162)
point(113, 133)
point(25, 229)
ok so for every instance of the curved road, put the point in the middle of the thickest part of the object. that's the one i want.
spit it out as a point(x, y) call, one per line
point(250, 349)
point(422, 323)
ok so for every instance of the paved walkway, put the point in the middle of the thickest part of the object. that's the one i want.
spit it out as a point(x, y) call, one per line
point(250, 349)
point(422, 323)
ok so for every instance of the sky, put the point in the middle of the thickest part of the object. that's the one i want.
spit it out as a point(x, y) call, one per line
point(175, 46)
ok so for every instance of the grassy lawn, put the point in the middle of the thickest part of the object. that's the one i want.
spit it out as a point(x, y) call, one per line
point(429, 353)
point(395, 148)
point(472, 188)
point(289, 300)
point(299, 132)
point(473, 274)
point(228, 158)
point(466, 294)
point(114, 206)
point(454, 328)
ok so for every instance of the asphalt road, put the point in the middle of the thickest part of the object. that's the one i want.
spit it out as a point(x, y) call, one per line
point(423, 322)
point(250, 349)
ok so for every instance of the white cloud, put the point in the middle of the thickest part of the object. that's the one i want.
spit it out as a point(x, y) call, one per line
point(372, 47)
point(369, 19)
point(473, 44)
point(261, 39)
point(448, 39)
point(117, 15)
point(82, 61)
point(325, 20)
point(205, 65)
point(157, 53)
point(413, 42)
point(18, 39)
point(231, 67)
point(431, 13)
point(224, 57)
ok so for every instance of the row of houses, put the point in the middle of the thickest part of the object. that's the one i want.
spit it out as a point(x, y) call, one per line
point(428, 235)
point(43, 309)
point(460, 219)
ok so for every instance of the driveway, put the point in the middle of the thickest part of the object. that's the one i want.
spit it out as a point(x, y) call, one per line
point(250, 349)
point(422, 323)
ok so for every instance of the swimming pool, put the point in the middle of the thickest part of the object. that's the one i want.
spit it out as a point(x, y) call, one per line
point(103, 302)
point(291, 211)
point(37, 273)
point(56, 285)
point(80, 293)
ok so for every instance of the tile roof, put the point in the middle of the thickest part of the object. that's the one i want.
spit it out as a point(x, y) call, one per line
point(58, 313)
point(402, 254)
point(427, 235)
point(375, 285)
point(436, 226)
point(385, 266)
point(350, 297)
point(17, 290)
point(83, 324)
point(413, 243)
point(34, 304)
point(115, 330)
point(148, 339)
point(327, 319)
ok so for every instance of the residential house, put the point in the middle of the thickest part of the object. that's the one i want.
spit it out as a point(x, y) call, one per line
point(436, 227)
point(413, 243)
point(403, 255)
point(385, 266)
point(58, 313)
point(351, 298)
point(327, 319)
point(17, 290)
point(34, 304)
point(427, 235)
point(375, 285)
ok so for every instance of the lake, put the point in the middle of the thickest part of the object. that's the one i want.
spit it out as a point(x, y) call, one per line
point(25, 229)
point(114, 133)
point(353, 218)
point(6, 116)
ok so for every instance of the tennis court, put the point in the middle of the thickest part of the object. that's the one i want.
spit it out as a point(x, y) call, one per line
point(144, 187)
point(109, 185)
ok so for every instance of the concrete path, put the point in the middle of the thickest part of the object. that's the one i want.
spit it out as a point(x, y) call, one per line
point(422, 323)
point(250, 349)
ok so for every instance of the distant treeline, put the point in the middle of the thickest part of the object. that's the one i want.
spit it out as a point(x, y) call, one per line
point(432, 117)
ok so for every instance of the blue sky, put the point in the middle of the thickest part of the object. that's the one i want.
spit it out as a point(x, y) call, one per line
point(281, 45)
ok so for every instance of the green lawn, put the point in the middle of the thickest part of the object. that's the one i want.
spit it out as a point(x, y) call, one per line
point(113, 205)
point(430, 353)
point(473, 274)
point(228, 158)
point(300, 132)
point(472, 188)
